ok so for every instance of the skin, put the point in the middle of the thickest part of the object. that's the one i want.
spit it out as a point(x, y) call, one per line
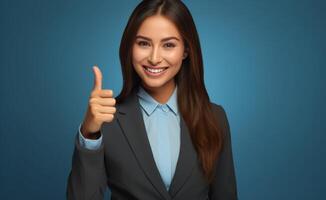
point(152, 49)
point(101, 108)
point(158, 43)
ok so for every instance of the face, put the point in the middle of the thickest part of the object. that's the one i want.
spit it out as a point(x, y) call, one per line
point(158, 52)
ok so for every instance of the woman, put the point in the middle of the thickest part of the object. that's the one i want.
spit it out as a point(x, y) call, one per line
point(161, 137)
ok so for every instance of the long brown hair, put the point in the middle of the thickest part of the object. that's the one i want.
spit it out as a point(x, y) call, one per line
point(193, 100)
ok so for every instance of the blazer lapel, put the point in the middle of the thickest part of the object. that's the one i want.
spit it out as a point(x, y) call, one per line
point(131, 121)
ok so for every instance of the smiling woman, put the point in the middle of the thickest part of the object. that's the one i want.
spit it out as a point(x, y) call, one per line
point(158, 53)
point(166, 140)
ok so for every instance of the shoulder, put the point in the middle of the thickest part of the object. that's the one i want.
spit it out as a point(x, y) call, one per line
point(217, 107)
point(221, 117)
point(219, 112)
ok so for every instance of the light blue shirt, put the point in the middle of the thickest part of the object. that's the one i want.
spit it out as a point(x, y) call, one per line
point(162, 123)
point(89, 143)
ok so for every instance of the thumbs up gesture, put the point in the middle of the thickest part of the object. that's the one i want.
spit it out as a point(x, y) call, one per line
point(101, 108)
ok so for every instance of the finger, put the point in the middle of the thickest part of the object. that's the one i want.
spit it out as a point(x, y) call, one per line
point(105, 93)
point(106, 117)
point(102, 93)
point(103, 101)
point(107, 110)
point(97, 78)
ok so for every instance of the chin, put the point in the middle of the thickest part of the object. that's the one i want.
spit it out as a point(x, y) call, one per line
point(154, 83)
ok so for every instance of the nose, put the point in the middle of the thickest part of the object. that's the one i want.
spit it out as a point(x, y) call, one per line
point(154, 58)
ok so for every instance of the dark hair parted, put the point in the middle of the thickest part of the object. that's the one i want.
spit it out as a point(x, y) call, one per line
point(193, 101)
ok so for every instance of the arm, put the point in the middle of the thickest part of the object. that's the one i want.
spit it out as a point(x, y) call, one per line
point(224, 185)
point(87, 178)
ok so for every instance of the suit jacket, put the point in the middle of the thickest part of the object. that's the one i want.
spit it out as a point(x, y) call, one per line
point(125, 163)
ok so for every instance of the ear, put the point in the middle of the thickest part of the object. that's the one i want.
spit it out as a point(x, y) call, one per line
point(185, 54)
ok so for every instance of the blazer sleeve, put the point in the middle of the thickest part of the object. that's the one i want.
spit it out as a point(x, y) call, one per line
point(87, 178)
point(224, 185)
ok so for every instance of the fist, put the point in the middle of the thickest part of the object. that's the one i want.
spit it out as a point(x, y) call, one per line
point(101, 108)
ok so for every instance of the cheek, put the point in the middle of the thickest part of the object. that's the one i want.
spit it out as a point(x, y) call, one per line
point(175, 57)
point(138, 54)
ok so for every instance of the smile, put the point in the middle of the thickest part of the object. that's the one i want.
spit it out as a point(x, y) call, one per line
point(155, 72)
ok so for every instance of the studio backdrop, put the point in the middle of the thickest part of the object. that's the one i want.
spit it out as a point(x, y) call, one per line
point(264, 62)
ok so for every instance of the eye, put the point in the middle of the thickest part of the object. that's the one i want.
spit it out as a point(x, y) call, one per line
point(169, 45)
point(142, 43)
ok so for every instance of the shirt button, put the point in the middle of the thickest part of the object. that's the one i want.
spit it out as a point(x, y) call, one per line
point(164, 108)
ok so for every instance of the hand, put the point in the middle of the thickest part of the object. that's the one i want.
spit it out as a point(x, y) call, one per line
point(101, 108)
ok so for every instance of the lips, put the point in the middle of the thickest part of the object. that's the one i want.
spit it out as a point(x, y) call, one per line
point(155, 72)
point(154, 67)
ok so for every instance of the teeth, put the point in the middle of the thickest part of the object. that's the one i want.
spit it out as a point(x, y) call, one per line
point(154, 70)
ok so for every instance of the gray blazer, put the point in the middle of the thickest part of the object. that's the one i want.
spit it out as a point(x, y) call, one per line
point(125, 163)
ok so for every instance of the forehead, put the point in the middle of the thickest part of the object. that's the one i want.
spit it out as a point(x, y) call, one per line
point(157, 27)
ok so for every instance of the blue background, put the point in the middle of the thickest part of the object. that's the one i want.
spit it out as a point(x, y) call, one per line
point(264, 63)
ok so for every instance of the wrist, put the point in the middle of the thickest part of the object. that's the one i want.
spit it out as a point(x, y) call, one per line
point(90, 135)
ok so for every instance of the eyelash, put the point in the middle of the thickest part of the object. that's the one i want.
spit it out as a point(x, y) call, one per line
point(141, 43)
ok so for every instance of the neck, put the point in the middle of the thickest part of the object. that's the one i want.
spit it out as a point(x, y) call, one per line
point(161, 94)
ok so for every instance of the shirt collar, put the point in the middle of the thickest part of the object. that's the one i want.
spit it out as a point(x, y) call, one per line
point(149, 104)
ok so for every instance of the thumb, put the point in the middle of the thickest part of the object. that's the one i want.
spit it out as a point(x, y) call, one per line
point(97, 78)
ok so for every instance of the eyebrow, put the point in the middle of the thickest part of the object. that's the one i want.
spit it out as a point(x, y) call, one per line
point(163, 40)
